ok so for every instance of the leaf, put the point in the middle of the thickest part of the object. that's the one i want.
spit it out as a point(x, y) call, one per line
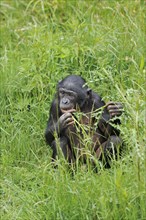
point(142, 63)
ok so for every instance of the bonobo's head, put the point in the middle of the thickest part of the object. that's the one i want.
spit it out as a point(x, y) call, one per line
point(73, 93)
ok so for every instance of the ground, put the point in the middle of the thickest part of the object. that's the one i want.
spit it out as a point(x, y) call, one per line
point(42, 42)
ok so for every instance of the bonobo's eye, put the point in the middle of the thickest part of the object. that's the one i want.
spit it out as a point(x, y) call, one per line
point(71, 96)
point(61, 92)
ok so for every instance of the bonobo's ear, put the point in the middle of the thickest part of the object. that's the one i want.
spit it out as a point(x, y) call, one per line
point(89, 93)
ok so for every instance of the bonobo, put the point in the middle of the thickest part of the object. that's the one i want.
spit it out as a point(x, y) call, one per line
point(67, 131)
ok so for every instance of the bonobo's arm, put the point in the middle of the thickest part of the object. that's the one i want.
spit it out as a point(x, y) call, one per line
point(57, 122)
point(105, 125)
point(52, 121)
point(110, 110)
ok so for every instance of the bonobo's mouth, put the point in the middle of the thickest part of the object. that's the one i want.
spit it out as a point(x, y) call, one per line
point(67, 110)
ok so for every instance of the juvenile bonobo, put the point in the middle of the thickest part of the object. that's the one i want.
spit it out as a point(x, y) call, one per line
point(63, 127)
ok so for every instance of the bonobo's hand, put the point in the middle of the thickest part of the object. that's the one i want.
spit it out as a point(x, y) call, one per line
point(65, 120)
point(114, 108)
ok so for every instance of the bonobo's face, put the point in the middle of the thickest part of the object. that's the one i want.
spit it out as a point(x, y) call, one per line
point(68, 100)
point(72, 93)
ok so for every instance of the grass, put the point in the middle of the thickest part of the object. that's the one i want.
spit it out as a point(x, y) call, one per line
point(42, 42)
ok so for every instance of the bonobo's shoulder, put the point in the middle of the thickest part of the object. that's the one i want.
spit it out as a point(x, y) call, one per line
point(97, 100)
point(55, 101)
point(54, 109)
point(54, 104)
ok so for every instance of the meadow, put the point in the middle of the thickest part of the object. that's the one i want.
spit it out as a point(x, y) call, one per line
point(43, 41)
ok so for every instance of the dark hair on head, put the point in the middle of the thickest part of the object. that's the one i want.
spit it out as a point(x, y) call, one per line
point(72, 81)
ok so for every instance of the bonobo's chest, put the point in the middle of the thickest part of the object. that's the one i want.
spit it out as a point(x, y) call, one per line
point(87, 119)
point(84, 132)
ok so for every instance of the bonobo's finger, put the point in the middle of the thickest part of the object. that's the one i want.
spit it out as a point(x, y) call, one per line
point(115, 111)
point(66, 119)
point(70, 123)
point(67, 115)
point(111, 103)
point(69, 120)
point(115, 106)
point(115, 114)
point(63, 118)
point(68, 111)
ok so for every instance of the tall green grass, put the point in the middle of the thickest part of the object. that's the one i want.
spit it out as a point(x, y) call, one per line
point(42, 41)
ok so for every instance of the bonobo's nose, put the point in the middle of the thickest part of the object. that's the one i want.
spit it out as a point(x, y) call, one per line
point(65, 101)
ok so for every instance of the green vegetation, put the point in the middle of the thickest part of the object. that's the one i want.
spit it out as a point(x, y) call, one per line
point(41, 42)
